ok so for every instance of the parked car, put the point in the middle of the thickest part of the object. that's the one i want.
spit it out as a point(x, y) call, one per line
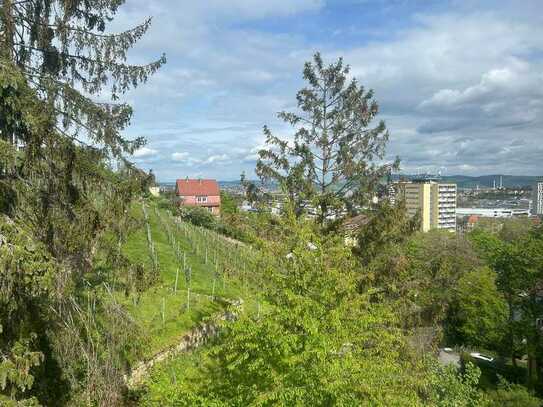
point(480, 356)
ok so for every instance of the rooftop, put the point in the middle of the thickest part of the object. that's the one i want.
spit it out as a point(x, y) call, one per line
point(194, 187)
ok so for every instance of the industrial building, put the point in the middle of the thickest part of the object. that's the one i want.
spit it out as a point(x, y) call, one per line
point(493, 212)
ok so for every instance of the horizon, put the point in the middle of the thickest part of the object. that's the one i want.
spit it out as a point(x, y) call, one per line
point(403, 174)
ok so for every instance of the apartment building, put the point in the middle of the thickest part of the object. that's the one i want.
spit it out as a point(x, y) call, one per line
point(537, 197)
point(436, 202)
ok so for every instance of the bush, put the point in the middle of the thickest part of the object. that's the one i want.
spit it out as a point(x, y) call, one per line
point(494, 373)
point(167, 204)
point(233, 232)
point(199, 217)
point(512, 395)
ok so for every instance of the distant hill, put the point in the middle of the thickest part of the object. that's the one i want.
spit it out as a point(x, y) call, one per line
point(509, 181)
point(463, 181)
point(466, 181)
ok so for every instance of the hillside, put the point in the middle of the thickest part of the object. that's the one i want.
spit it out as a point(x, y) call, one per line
point(218, 270)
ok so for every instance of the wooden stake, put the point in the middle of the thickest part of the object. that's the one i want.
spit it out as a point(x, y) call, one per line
point(176, 279)
point(163, 311)
point(213, 290)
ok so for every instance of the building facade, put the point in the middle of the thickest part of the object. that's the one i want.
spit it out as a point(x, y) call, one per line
point(537, 198)
point(199, 192)
point(435, 203)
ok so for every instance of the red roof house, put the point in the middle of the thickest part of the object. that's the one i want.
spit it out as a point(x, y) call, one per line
point(199, 192)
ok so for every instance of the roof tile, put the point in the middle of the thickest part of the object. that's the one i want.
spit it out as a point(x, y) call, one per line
point(194, 187)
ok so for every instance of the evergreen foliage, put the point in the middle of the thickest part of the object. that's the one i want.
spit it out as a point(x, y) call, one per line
point(65, 184)
point(333, 158)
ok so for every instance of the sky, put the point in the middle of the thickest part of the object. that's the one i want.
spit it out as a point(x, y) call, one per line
point(459, 83)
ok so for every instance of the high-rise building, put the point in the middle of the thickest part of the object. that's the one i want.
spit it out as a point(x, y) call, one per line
point(537, 197)
point(435, 202)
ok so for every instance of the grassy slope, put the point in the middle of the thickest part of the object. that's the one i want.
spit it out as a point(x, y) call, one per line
point(163, 385)
point(148, 311)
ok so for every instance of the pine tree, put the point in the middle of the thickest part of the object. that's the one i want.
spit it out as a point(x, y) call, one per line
point(65, 179)
point(64, 52)
point(334, 157)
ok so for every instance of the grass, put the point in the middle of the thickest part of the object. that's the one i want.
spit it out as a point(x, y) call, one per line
point(168, 380)
point(161, 311)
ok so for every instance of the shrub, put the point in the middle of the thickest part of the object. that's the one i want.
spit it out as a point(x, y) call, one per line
point(199, 217)
point(512, 395)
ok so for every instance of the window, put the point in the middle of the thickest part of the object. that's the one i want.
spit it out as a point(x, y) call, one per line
point(201, 199)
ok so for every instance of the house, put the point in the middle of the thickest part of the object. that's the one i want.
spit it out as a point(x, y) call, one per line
point(199, 192)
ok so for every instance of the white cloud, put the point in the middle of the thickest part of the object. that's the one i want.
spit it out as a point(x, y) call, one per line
point(180, 156)
point(496, 87)
point(145, 152)
point(216, 158)
point(251, 9)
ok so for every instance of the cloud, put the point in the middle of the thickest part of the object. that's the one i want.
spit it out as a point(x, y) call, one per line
point(216, 158)
point(493, 89)
point(180, 156)
point(468, 71)
point(145, 152)
point(440, 81)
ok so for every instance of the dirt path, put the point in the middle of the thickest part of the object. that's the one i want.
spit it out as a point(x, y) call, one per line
point(191, 340)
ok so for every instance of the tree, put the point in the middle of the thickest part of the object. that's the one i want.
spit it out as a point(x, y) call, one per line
point(518, 265)
point(333, 157)
point(61, 46)
point(318, 341)
point(229, 205)
point(512, 395)
point(26, 267)
point(478, 314)
point(388, 224)
point(198, 216)
point(437, 260)
point(65, 180)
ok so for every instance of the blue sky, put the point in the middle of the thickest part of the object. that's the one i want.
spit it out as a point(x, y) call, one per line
point(459, 83)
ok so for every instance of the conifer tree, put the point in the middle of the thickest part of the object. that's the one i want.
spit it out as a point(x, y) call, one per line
point(334, 157)
point(65, 179)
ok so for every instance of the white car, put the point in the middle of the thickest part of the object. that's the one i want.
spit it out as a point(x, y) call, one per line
point(480, 356)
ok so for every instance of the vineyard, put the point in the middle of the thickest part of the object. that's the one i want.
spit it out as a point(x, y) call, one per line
point(195, 272)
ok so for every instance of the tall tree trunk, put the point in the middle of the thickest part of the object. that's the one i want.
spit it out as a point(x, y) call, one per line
point(8, 28)
point(6, 45)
